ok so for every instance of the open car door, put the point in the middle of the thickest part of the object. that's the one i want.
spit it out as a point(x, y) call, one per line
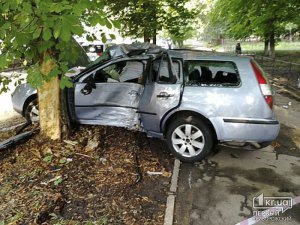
point(162, 93)
point(110, 94)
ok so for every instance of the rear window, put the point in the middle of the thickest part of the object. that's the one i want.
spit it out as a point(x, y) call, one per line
point(212, 73)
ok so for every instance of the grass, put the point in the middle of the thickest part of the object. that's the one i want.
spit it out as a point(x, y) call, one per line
point(281, 46)
point(288, 51)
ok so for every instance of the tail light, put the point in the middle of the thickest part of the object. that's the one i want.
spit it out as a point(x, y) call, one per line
point(263, 84)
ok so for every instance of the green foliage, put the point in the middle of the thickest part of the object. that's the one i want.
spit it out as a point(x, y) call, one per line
point(31, 28)
point(179, 20)
point(63, 160)
point(243, 18)
point(144, 18)
point(58, 181)
point(48, 158)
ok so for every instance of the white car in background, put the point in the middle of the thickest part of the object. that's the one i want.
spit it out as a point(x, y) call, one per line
point(93, 49)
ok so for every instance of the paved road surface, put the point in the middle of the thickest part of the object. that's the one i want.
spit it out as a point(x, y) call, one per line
point(220, 189)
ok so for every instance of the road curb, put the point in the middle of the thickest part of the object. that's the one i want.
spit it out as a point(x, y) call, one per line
point(170, 206)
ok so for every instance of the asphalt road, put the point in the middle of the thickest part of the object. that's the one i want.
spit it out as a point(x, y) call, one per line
point(220, 190)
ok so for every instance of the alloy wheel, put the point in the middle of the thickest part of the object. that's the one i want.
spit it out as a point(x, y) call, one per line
point(188, 140)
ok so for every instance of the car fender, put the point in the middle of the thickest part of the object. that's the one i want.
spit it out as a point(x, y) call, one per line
point(192, 111)
point(22, 95)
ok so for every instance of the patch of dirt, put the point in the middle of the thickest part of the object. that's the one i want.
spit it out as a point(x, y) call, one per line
point(47, 182)
point(287, 142)
point(10, 122)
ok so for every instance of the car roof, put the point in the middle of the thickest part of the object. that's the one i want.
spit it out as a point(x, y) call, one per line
point(205, 55)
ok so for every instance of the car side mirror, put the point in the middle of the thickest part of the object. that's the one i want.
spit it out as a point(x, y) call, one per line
point(86, 90)
point(90, 85)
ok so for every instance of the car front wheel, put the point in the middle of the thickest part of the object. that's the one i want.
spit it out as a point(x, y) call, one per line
point(189, 139)
point(32, 111)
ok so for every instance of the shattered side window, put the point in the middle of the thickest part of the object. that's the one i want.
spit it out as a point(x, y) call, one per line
point(176, 67)
point(164, 74)
point(122, 71)
point(212, 73)
point(155, 69)
point(132, 71)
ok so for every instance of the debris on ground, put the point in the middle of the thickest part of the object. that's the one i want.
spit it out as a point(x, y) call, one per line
point(17, 139)
point(85, 180)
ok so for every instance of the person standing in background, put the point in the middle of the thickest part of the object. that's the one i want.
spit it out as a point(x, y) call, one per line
point(238, 49)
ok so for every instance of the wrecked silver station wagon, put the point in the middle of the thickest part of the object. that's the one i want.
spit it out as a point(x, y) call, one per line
point(193, 100)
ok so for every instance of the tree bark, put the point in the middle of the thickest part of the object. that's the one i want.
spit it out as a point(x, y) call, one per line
point(180, 43)
point(66, 124)
point(272, 44)
point(49, 105)
point(266, 47)
point(154, 37)
point(146, 36)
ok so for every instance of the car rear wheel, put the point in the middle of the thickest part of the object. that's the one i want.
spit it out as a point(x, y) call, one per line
point(32, 111)
point(190, 139)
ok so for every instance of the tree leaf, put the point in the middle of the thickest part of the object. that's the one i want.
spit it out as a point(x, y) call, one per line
point(103, 38)
point(65, 82)
point(65, 34)
point(58, 181)
point(63, 160)
point(7, 25)
point(48, 158)
point(116, 24)
point(56, 31)
point(46, 34)
point(112, 36)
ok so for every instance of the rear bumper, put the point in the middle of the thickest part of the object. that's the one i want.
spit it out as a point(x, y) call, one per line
point(246, 129)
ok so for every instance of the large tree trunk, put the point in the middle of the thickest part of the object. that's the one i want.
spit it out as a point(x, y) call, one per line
point(49, 105)
point(180, 43)
point(272, 45)
point(266, 47)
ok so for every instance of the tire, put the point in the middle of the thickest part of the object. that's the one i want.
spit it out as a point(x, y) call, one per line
point(32, 111)
point(190, 139)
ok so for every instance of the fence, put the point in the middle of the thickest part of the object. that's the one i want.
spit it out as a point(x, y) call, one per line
point(280, 68)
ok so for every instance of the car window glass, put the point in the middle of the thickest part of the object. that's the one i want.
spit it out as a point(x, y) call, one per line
point(164, 71)
point(155, 69)
point(176, 67)
point(213, 73)
point(122, 71)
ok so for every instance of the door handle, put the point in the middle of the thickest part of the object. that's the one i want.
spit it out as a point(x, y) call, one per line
point(164, 95)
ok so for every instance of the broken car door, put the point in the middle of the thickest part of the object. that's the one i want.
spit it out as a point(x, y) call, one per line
point(161, 94)
point(110, 94)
